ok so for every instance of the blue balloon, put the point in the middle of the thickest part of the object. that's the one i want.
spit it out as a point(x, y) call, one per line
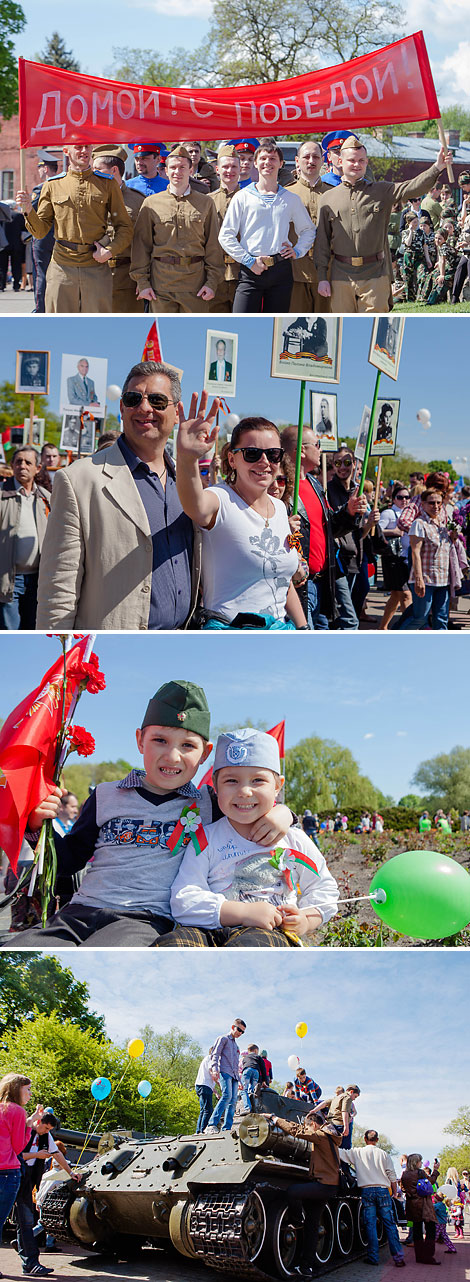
point(144, 1088)
point(101, 1088)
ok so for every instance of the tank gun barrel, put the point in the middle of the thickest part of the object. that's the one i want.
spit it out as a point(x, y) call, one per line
point(263, 1135)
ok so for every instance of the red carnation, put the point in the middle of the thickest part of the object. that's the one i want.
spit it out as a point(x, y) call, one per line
point(90, 672)
point(80, 741)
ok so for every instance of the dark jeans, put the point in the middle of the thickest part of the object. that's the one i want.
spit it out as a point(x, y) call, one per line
point(20, 612)
point(314, 1195)
point(377, 1201)
point(42, 252)
point(462, 274)
point(75, 924)
point(269, 292)
point(9, 1185)
point(28, 1247)
point(204, 1094)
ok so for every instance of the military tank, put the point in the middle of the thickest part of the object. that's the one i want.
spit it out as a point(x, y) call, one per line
point(218, 1198)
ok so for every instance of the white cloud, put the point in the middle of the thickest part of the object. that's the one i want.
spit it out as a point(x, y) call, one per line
point(451, 75)
point(179, 8)
point(401, 734)
point(437, 17)
point(369, 735)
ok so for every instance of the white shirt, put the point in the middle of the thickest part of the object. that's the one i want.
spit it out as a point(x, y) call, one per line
point(246, 565)
point(204, 1075)
point(32, 1153)
point(258, 223)
point(388, 520)
point(373, 1166)
point(231, 867)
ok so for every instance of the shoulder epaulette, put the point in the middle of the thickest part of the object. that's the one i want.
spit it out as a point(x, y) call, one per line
point(98, 174)
point(53, 178)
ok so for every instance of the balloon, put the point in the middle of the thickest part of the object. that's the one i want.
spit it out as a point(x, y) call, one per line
point(135, 1048)
point(101, 1088)
point(144, 1088)
point(427, 894)
point(232, 420)
point(113, 392)
point(301, 1029)
point(448, 1190)
point(293, 1063)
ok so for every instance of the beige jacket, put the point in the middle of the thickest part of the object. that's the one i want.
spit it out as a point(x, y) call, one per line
point(10, 511)
point(96, 564)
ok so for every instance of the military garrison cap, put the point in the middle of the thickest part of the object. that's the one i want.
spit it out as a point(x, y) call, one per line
point(247, 747)
point(179, 150)
point(179, 704)
point(352, 143)
point(112, 150)
point(464, 177)
point(227, 149)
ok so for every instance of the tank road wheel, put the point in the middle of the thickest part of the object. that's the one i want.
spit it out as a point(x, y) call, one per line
point(85, 1225)
point(178, 1226)
point(254, 1232)
point(361, 1228)
point(281, 1243)
point(326, 1236)
point(345, 1228)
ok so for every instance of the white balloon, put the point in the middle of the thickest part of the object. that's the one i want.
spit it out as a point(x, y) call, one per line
point(448, 1190)
point(232, 420)
point(293, 1062)
point(113, 392)
point(423, 416)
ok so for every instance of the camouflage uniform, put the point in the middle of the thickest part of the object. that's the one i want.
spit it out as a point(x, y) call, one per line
point(78, 207)
point(176, 250)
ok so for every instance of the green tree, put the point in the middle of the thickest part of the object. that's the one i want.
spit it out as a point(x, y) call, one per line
point(56, 55)
point(410, 801)
point(79, 778)
point(174, 1056)
point(32, 982)
point(15, 407)
point(323, 775)
point(460, 1125)
point(384, 1141)
point(63, 1061)
point(12, 21)
point(142, 67)
point(457, 1155)
point(445, 779)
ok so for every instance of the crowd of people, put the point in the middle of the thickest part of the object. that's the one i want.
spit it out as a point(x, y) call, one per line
point(210, 540)
point(241, 233)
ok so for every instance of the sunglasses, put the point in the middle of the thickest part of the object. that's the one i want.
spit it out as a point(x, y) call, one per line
point(344, 462)
point(238, 1029)
point(280, 480)
point(204, 471)
point(401, 498)
point(157, 400)
point(252, 454)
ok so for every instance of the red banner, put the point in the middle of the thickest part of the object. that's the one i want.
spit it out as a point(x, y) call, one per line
point(388, 86)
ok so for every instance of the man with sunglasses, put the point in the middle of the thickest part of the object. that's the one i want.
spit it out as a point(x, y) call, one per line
point(225, 1065)
point(319, 526)
point(119, 546)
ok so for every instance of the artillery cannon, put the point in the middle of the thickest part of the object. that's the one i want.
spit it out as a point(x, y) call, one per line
point(219, 1198)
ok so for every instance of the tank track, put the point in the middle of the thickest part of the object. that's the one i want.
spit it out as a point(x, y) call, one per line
point(55, 1209)
point(216, 1228)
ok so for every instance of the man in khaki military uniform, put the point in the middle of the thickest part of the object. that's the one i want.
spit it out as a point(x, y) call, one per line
point(309, 186)
point(112, 160)
point(228, 169)
point(177, 261)
point(352, 228)
point(78, 205)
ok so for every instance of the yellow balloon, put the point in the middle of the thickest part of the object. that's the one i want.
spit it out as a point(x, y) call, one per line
point(135, 1047)
point(301, 1029)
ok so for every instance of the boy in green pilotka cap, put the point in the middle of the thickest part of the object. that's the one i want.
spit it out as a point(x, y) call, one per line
point(131, 835)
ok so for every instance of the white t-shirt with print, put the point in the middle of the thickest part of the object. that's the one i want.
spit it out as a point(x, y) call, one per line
point(246, 565)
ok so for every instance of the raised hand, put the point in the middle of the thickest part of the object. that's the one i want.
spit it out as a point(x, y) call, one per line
point(197, 432)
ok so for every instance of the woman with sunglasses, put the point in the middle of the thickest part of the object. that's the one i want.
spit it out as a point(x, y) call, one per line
point(395, 568)
point(431, 547)
point(247, 559)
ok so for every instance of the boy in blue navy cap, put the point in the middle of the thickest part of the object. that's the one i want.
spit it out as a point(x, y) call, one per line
point(236, 893)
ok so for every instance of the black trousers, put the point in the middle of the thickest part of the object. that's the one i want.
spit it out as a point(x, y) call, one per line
point(462, 274)
point(269, 292)
point(315, 1196)
point(75, 925)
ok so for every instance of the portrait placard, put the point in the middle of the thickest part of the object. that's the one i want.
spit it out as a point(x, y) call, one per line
point(307, 347)
point(384, 435)
point(70, 434)
point(220, 368)
point(39, 429)
point(324, 419)
point(83, 382)
point(32, 372)
point(360, 446)
point(386, 343)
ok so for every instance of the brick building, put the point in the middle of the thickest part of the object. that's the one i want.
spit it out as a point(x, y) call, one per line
point(10, 159)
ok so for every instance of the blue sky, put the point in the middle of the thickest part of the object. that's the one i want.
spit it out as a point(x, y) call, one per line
point(392, 1022)
point(160, 25)
point(373, 694)
point(434, 353)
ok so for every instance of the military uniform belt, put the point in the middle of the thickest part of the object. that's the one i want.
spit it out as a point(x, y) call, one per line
point(75, 244)
point(181, 260)
point(270, 259)
point(360, 262)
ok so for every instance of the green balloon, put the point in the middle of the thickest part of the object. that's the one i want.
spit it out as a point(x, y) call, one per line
point(428, 894)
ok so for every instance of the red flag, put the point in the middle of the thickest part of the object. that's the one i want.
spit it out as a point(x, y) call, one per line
point(28, 747)
point(277, 733)
point(153, 348)
point(382, 87)
point(6, 435)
